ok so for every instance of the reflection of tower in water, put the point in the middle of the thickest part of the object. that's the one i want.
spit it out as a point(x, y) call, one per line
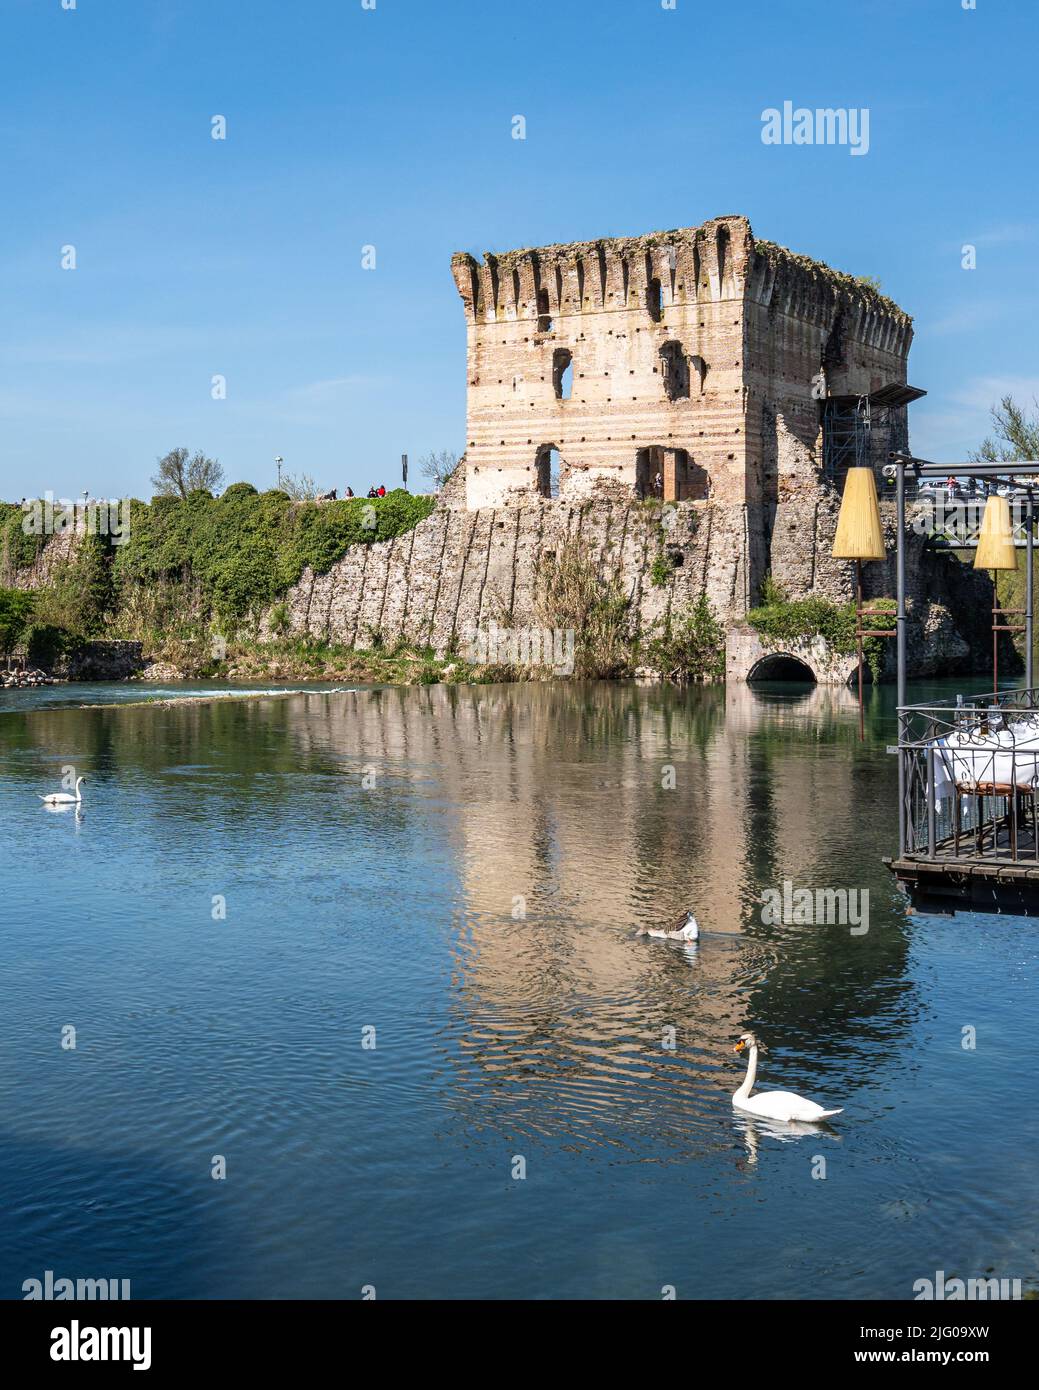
point(556, 806)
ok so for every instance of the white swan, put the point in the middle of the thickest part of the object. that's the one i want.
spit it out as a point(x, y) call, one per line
point(775, 1105)
point(684, 929)
point(65, 798)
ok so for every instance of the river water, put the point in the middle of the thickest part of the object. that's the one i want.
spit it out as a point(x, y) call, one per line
point(255, 892)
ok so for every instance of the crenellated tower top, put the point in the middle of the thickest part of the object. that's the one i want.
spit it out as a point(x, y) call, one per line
point(718, 260)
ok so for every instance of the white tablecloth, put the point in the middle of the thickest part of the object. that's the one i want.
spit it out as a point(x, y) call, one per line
point(968, 756)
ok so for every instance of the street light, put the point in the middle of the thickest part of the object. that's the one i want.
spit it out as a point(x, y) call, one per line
point(860, 537)
point(279, 461)
point(996, 552)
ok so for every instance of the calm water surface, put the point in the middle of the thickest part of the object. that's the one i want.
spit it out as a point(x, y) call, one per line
point(398, 906)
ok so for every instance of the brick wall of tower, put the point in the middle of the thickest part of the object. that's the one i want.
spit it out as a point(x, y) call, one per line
point(595, 295)
point(755, 324)
point(802, 318)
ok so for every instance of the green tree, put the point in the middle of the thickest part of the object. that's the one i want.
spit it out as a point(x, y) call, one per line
point(178, 474)
point(16, 606)
point(1016, 434)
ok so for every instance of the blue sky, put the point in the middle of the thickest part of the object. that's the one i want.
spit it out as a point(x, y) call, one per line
point(392, 127)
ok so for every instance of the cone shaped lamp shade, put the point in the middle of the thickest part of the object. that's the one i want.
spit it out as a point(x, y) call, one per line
point(996, 541)
point(859, 534)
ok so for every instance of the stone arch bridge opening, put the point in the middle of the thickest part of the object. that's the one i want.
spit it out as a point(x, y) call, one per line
point(781, 666)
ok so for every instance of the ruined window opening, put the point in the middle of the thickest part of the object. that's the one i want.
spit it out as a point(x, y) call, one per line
point(548, 467)
point(655, 300)
point(674, 368)
point(601, 258)
point(544, 315)
point(723, 250)
point(563, 373)
point(649, 472)
point(516, 291)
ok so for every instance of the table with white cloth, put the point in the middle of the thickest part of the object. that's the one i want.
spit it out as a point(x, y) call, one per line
point(977, 756)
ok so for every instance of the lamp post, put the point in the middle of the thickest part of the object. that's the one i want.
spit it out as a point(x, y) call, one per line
point(996, 552)
point(859, 537)
point(279, 461)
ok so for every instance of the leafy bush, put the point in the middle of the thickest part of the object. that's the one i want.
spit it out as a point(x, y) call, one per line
point(688, 645)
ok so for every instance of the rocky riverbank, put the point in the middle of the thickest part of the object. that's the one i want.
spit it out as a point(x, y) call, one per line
point(22, 680)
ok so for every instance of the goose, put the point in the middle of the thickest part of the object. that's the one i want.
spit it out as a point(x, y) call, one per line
point(685, 929)
point(65, 798)
point(775, 1105)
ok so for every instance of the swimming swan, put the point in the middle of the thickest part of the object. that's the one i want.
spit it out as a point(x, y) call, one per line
point(776, 1105)
point(65, 798)
point(684, 929)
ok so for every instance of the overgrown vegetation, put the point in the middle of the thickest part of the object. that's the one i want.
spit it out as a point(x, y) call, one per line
point(661, 570)
point(687, 645)
point(15, 612)
point(780, 621)
point(238, 553)
point(571, 594)
point(193, 564)
point(80, 596)
point(17, 550)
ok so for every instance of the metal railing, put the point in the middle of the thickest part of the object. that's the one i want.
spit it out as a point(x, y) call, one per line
point(969, 778)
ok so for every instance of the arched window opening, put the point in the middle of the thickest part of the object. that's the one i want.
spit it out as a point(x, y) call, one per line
point(548, 466)
point(563, 373)
point(674, 371)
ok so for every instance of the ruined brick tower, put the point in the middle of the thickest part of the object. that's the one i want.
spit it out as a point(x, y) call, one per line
point(694, 364)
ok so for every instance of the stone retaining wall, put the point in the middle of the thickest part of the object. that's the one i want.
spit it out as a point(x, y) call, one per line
point(460, 569)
